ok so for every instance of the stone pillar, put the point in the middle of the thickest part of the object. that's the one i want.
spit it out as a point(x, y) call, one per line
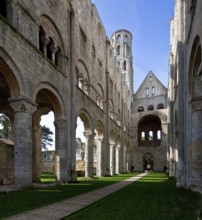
point(60, 151)
point(117, 159)
point(36, 152)
point(89, 153)
point(100, 158)
point(45, 42)
point(196, 149)
point(54, 51)
point(112, 159)
point(23, 110)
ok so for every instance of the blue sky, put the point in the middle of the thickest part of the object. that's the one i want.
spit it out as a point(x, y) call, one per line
point(148, 21)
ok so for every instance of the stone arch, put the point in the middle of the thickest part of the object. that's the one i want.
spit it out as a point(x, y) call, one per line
point(50, 41)
point(47, 96)
point(51, 30)
point(148, 131)
point(11, 74)
point(86, 118)
point(195, 69)
point(195, 85)
point(160, 106)
point(48, 100)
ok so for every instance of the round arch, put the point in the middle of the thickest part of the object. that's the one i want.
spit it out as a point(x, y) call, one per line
point(46, 96)
point(195, 68)
point(149, 131)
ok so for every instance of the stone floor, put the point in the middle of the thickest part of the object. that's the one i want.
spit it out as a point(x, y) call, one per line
point(69, 206)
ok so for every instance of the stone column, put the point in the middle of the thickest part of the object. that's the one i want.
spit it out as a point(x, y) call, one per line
point(89, 153)
point(112, 159)
point(117, 159)
point(23, 110)
point(100, 158)
point(36, 152)
point(54, 51)
point(60, 151)
point(196, 149)
point(45, 42)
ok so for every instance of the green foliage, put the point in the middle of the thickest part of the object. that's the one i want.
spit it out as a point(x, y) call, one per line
point(46, 139)
point(4, 126)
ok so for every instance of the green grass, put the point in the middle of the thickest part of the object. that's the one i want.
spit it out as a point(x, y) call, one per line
point(19, 201)
point(154, 197)
point(48, 178)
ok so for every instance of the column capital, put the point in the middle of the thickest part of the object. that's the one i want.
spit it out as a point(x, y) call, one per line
point(22, 104)
point(88, 133)
point(60, 123)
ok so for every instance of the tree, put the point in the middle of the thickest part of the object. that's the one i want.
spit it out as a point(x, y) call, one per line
point(46, 139)
point(4, 126)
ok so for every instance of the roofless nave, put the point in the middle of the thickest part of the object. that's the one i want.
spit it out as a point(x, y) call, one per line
point(65, 64)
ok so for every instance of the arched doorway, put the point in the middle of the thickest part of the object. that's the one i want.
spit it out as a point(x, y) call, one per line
point(148, 162)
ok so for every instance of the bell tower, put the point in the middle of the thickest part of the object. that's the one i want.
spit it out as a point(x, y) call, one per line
point(121, 42)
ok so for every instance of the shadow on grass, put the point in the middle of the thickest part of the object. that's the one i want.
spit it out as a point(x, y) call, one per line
point(154, 197)
point(16, 202)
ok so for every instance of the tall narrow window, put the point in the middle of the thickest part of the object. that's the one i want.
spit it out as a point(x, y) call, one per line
point(151, 136)
point(158, 135)
point(118, 50)
point(153, 90)
point(124, 65)
point(42, 36)
point(147, 91)
point(142, 136)
point(118, 38)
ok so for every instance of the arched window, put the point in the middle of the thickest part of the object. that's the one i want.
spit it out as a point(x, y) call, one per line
point(158, 135)
point(42, 37)
point(118, 38)
point(140, 109)
point(124, 65)
point(142, 136)
point(153, 90)
point(126, 38)
point(160, 106)
point(147, 91)
point(50, 47)
point(151, 135)
point(150, 108)
point(118, 50)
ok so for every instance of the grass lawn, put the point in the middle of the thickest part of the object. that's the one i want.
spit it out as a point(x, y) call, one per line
point(19, 201)
point(154, 197)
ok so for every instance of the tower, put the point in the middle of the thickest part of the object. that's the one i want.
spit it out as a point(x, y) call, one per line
point(121, 42)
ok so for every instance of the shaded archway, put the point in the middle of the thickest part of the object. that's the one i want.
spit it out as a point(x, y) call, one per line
point(88, 142)
point(149, 131)
point(48, 100)
point(148, 162)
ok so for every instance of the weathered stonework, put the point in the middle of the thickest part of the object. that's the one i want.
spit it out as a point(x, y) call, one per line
point(185, 95)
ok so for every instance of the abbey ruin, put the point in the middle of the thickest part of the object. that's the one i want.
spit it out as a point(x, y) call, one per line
point(55, 56)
